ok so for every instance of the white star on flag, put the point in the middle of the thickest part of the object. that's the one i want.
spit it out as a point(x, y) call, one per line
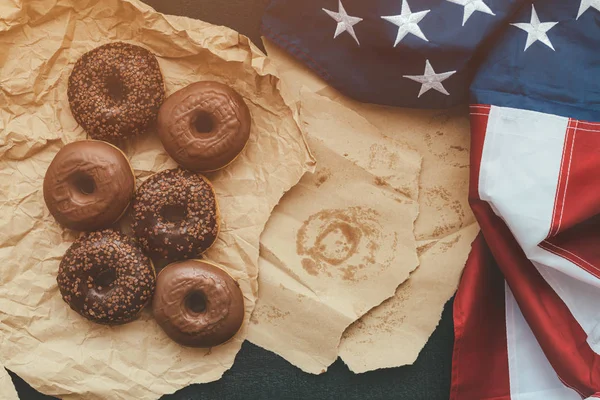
point(407, 22)
point(586, 4)
point(345, 22)
point(536, 30)
point(431, 80)
point(471, 6)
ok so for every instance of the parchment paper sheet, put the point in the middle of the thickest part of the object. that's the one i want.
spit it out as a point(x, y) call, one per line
point(7, 389)
point(394, 333)
point(341, 241)
point(41, 339)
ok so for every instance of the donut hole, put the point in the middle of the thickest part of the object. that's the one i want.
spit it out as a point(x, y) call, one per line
point(196, 302)
point(173, 213)
point(84, 183)
point(203, 123)
point(115, 89)
point(105, 278)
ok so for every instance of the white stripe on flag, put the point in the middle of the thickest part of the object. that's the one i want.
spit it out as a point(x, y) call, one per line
point(520, 167)
point(581, 299)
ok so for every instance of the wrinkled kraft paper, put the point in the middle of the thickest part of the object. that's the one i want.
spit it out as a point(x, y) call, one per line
point(7, 389)
point(41, 339)
point(393, 333)
point(341, 241)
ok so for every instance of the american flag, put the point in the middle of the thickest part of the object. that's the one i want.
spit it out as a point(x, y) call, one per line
point(527, 313)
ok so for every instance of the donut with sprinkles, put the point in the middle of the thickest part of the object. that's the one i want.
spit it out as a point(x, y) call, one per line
point(115, 91)
point(105, 277)
point(175, 215)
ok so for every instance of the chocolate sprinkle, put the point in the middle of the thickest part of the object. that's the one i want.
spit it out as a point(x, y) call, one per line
point(82, 277)
point(175, 215)
point(115, 91)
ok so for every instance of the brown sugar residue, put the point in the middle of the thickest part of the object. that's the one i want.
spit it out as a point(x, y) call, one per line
point(423, 249)
point(447, 246)
point(443, 230)
point(275, 313)
point(379, 181)
point(322, 176)
point(268, 313)
point(310, 266)
point(392, 313)
point(381, 156)
point(439, 192)
point(350, 273)
point(329, 240)
point(459, 148)
point(358, 325)
point(457, 207)
point(404, 191)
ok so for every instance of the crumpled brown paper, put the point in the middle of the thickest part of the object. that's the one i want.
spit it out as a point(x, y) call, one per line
point(393, 333)
point(340, 242)
point(7, 389)
point(41, 339)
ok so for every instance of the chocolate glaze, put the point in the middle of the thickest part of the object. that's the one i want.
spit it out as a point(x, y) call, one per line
point(115, 91)
point(198, 304)
point(175, 215)
point(204, 126)
point(105, 277)
point(88, 185)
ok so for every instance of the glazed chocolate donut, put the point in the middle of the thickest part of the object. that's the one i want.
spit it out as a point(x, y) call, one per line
point(115, 91)
point(198, 304)
point(88, 185)
point(105, 277)
point(204, 126)
point(175, 215)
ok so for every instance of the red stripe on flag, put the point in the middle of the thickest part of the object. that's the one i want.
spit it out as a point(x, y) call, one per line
point(577, 196)
point(575, 232)
point(579, 245)
point(561, 189)
point(480, 359)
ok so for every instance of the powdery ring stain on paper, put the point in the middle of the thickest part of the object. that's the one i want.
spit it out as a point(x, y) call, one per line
point(340, 241)
point(443, 201)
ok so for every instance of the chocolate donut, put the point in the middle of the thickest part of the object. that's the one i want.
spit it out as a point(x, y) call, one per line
point(105, 277)
point(115, 91)
point(198, 304)
point(175, 215)
point(204, 126)
point(88, 185)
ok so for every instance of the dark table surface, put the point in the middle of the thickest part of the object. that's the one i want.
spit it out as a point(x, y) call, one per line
point(259, 374)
